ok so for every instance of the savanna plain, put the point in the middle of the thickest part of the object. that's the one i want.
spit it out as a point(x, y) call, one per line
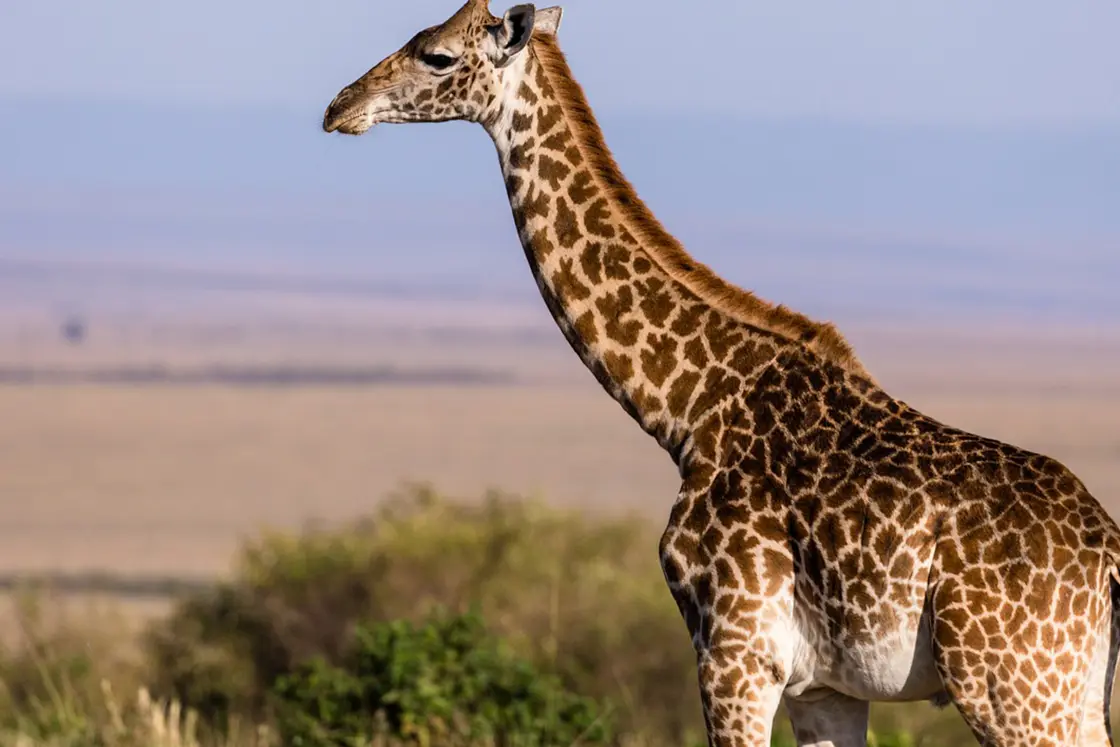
point(159, 514)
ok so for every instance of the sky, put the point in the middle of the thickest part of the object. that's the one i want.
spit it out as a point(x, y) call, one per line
point(1021, 63)
point(975, 145)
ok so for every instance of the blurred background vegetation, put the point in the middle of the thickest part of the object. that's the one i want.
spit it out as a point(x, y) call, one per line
point(432, 621)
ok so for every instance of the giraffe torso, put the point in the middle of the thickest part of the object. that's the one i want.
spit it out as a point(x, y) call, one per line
point(843, 511)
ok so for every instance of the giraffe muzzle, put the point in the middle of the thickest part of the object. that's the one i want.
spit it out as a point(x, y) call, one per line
point(349, 113)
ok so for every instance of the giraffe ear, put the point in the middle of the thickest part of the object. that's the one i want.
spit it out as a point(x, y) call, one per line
point(548, 20)
point(513, 33)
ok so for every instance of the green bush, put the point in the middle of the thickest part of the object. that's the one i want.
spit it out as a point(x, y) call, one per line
point(581, 598)
point(445, 681)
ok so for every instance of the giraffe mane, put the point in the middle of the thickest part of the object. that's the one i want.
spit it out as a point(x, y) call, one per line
point(822, 338)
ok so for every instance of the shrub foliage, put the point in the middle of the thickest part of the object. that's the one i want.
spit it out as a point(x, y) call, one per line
point(580, 598)
point(445, 681)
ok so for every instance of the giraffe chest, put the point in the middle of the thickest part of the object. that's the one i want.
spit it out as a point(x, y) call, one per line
point(860, 612)
point(831, 621)
point(896, 664)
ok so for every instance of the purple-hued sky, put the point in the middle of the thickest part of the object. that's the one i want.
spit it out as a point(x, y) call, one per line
point(817, 154)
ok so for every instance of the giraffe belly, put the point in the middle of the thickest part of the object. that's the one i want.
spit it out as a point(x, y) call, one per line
point(895, 665)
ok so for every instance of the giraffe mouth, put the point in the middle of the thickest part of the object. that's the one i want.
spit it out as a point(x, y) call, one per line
point(350, 113)
point(355, 122)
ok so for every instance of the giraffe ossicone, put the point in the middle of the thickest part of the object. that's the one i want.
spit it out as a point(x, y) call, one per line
point(830, 545)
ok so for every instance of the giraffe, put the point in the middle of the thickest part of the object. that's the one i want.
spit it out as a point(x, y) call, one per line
point(829, 545)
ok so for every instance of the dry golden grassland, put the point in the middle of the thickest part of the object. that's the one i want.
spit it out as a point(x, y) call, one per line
point(165, 479)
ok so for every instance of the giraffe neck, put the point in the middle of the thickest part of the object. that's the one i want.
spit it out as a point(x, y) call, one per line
point(645, 318)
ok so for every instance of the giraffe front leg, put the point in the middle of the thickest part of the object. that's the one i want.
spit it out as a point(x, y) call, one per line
point(733, 583)
point(832, 721)
point(740, 696)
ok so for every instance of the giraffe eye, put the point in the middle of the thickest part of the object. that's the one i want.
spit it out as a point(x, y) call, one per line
point(437, 60)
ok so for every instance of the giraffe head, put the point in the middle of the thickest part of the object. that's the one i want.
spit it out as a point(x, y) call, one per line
point(445, 72)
